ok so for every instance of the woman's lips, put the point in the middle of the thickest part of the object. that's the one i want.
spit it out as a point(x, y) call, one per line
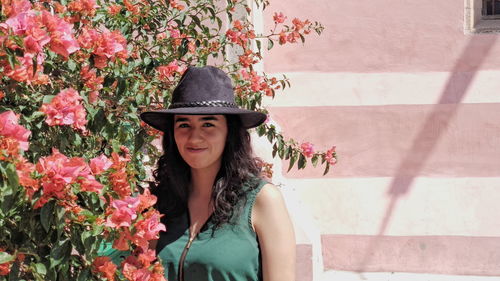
point(195, 149)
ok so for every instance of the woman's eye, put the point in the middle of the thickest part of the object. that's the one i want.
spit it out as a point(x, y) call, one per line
point(208, 125)
point(184, 125)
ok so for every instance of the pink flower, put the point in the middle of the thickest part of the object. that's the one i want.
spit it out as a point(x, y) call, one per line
point(58, 167)
point(161, 36)
point(66, 109)
point(16, 7)
point(114, 9)
point(330, 156)
point(24, 170)
point(146, 200)
point(279, 18)
point(167, 71)
point(174, 32)
point(100, 164)
point(124, 213)
point(89, 183)
point(104, 266)
point(62, 41)
point(148, 229)
point(105, 45)
point(29, 25)
point(233, 35)
point(122, 242)
point(10, 128)
point(307, 149)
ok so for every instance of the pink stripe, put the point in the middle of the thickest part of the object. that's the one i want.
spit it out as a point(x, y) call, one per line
point(445, 140)
point(303, 268)
point(362, 36)
point(455, 255)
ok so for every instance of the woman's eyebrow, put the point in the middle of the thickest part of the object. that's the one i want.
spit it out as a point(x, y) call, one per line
point(181, 120)
point(209, 118)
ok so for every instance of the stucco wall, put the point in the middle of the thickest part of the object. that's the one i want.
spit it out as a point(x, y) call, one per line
point(413, 105)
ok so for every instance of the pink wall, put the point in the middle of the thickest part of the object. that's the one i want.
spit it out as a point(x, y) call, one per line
point(405, 140)
point(417, 134)
point(380, 36)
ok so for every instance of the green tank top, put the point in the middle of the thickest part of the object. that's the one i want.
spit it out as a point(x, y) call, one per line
point(230, 253)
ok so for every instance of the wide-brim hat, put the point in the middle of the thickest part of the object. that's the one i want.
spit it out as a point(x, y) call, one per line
point(203, 91)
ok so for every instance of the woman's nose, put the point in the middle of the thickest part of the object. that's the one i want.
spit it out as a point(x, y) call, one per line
point(195, 134)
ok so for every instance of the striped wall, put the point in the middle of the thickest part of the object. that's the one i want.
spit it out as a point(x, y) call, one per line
point(413, 106)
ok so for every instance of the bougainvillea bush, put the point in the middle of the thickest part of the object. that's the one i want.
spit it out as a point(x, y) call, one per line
point(73, 153)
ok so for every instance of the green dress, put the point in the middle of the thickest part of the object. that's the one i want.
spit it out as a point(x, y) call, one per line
point(230, 253)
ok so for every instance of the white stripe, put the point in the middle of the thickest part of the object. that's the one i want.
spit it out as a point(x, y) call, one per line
point(353, 89)
point(432, 206)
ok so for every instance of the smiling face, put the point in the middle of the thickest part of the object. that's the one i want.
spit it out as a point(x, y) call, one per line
point(201, 139)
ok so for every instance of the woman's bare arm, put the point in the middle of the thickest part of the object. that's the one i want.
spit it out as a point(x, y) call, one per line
point(276, 236)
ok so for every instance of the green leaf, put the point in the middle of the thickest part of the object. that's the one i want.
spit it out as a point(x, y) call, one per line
point(314, 160)
point(11, 174)
point(293, 158)
point(327, 168)
point(84, 275)
point(5, 257)
point(48, 98)
point(219, 22)
point(302, 162)
point(60, 253)
point(147, 60)
point(196, 20)
point(258, 44)
point(40, 268)
point(275, 149)
point(46, 215)
point(270, 44)
point(288, 152)
point(71, 65)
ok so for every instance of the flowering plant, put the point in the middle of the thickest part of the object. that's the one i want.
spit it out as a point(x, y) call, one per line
point(74, 77)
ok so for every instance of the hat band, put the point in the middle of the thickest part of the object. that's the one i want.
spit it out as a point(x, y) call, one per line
point(212, 103)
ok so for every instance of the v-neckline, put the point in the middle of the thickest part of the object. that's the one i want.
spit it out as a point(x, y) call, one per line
point(204, 227)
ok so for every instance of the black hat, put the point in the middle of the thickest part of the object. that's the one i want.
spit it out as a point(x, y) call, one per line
point(203, 91)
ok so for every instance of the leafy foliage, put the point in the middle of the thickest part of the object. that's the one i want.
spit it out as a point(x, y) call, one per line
point(73, 153)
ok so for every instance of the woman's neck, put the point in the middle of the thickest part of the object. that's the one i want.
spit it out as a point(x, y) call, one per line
point(202, 181)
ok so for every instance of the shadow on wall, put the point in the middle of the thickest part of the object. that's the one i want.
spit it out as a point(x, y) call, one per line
point(474, 54)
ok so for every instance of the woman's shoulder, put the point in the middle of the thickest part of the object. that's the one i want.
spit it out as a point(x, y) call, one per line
point(268, 195)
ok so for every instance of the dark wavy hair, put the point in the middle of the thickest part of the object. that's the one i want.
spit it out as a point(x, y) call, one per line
point(238, 168)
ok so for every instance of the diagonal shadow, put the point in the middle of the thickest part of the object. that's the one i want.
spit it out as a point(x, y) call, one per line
point(472, 57)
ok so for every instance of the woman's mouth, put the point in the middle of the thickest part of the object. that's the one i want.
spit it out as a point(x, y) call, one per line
point(196, 149)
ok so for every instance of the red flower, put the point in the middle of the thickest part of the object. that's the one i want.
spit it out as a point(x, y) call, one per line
point(165, 72)
point(124, 212)
point(330, 156)
point(148, 229)
point(122, 242)
point(92, 82)
point(104, 266)
point(100, 164)
point(279, 18)
point(114, 9)
point(237, 24)
point(9, 128)
point(5, 268)
point(24, 170)
point(66, 109)
point(62, 41)
point(146, 200)
point(15, 7)
point(282, 38)
point(307, 149)
point(85, 7)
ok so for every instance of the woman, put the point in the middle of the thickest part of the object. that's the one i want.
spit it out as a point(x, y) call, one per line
point(223, 221)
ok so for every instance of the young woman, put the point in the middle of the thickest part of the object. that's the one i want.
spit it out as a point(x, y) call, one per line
point(223, 221)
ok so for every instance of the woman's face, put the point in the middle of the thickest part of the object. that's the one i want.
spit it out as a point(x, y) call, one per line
point(201, 139)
